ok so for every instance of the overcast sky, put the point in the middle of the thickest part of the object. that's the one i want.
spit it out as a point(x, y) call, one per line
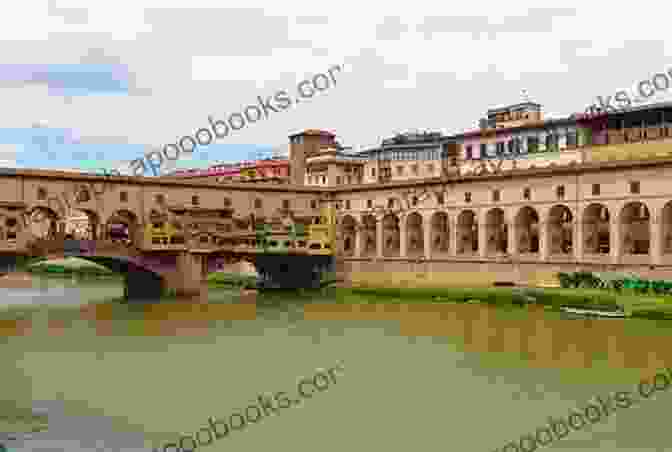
point(89, 84)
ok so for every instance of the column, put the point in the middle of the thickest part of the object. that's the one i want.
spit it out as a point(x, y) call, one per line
point(427, 235)
point(379, 238)
point(577, 238)
point(403, 232)
point(543, 239)
point(482, 235)
point(615, 244)
point(655, 247)
point(512, 243)
point(359, 232)
point(452, 234)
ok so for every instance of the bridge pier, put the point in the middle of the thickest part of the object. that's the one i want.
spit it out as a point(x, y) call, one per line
point(142, 286)
point(188, 279)
point(292, 272)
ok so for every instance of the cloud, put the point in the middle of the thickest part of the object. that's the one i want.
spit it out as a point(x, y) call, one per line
point(67, 79)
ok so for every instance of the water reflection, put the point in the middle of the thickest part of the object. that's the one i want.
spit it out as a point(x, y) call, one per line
point(544, 339)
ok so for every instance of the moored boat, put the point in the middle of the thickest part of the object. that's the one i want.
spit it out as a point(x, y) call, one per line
point(593, 312)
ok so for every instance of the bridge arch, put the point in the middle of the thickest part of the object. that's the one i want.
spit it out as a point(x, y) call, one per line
point(122, 225)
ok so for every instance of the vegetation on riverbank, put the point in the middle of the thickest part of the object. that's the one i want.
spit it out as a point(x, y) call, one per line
point(643, 306)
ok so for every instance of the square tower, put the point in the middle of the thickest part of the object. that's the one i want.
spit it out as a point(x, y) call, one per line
point(303, 145)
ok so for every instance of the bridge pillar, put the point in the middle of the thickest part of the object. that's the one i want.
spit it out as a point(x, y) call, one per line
point(188, 277)
point(142, 286)
point(292, 272)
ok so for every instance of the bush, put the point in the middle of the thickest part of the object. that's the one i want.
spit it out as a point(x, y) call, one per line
point(566, 280)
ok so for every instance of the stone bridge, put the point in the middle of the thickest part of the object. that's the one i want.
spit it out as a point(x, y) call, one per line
point(161, 234)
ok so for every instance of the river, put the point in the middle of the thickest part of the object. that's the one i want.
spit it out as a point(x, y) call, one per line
point(417, 377)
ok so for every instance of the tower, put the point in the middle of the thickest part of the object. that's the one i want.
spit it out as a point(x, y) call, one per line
point(301, 146)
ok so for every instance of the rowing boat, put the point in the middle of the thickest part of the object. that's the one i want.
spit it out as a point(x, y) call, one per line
point(593, 312)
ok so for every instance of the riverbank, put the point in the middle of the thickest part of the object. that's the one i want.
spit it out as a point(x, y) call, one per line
point(640, 306)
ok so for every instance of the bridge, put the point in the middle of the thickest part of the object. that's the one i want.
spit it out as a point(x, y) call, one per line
point(168, 234)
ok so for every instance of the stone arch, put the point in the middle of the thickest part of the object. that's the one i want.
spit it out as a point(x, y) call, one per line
point(43, 222)
point(467, 232)
point(88, 231)
point(666, 223)
point(596, 229)
point(349, 232)
point(11, 223)
point(122, 226)
point(391, 235)
point(496, 231)
point(369, 235)
point(439, 234)
point(527, 230)
point(393, 202)
point(415, 243)
point(635, 228)
point(560, 230)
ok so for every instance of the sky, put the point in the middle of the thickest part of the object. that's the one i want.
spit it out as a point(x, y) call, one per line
point(94, 85)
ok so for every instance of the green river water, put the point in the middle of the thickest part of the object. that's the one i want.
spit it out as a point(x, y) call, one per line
point(419, 377)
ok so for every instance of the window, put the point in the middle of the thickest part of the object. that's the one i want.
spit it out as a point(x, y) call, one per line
point(511, 145)
point(313, 204)
point(430, 168)
point(596, 189)
point(227, 202)
point(634, 187)
point(469, 153)
point(369, 204)
point(194, 200)
point(338, 180)
point(572, 139)
point(414, 169)
point(484, 150)
point(324, 179)
point(347, 204)
point(551, 142)
point(467, 197)
point(349, 180)
point(500, 148)
point(257, 203)
point(123, 196)
point(160, 199)
point(439, 198)
point(496, 195)
point(390, 203)
point(400, 170)
point(373, 172)
point(532, 144)
point(285, 203)
point(560, 192)
point(415, 200)
point(526, 193)
point(41, 193)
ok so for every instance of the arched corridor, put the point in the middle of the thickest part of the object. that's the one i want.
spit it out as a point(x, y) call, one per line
point(527, 230)
point(414, 236)
point(666, 226)
point(496, 231)
point(391, 236)
point(596, 229)
point(349, 231)
point(560, 231)
point(369, 236)
point(635, 231)
point(467, 233)
point(440, 235)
